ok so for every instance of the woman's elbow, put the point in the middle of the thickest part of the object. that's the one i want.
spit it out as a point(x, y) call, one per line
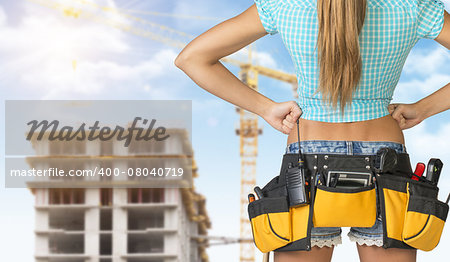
point(193, 58)
point(180, 60)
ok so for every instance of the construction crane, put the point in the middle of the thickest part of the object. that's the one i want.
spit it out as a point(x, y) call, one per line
point(248, 130)
point(248, 133)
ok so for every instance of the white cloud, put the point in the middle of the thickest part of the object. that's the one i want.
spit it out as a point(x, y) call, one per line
point(427, 62)
point(259, 58)
point(214, 105)
point(265, 59)
point(422, 144)
point(218, 11)
point(426, 71)
point(3, 16)
point(102, 77)
point(55, 57)
point(212, 121)
point(48, 31)
point(417, 88)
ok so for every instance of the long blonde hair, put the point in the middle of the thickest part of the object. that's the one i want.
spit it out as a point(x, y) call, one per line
point(339, 59)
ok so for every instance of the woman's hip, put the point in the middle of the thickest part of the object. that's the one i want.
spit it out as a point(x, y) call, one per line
point(381, 129)
point(343, 147)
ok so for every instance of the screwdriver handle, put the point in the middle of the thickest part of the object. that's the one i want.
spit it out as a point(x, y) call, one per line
point(420, 168)
point(251, 198)
point(258, 192)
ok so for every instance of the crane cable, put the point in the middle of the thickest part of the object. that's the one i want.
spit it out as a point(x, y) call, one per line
point(135, 18)
point(79, 13)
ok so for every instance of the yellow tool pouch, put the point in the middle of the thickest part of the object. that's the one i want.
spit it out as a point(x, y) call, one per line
point(424, 219)
point(338, 207)
point(393, 202)
point(275, 225)
point(271, 223)
point(412, 215)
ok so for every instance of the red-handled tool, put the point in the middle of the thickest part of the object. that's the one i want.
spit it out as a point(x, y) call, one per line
point(251, 198)
point(420, 168)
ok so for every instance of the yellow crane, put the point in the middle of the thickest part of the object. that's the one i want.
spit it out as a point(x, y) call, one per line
point(248, 130)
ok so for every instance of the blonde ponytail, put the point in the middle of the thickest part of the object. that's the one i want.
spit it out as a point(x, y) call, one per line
point(339, 60)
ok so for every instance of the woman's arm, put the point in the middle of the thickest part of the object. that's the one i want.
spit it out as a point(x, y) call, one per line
point(200, 61)
point(444, 36)
point(409, 115)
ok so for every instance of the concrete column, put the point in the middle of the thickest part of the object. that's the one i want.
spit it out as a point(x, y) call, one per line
point(92, 224)
point(41, 245)
point(181, 217)
point(41, 219)
point(41, 224)
point(120, 224)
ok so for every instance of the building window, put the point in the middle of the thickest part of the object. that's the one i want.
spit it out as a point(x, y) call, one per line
point(145, 243)
point(106, 148)
point(73, 147)
point(105, 219)
point(143, 219)
point(106, 197)
point(106, 244)
point(66, 196)
point(66, 244)
point(70, 220)
point(146, 195)
point(143, 147)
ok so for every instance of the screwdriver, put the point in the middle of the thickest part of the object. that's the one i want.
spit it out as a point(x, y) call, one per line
point(420, 168)
point(434, 169)
point(258, 192)
point(251, 197)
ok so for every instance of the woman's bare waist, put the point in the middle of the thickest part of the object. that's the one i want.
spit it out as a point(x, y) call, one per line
point(381, 129)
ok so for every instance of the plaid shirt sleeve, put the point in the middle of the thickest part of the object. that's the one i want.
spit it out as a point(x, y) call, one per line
point(266, 11)
point(430, 18)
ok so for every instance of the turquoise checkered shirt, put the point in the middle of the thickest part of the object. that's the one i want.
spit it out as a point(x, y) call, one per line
point(391, 28)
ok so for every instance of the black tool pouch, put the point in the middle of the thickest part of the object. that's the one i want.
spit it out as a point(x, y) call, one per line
point(275, 225)
point(413, 217)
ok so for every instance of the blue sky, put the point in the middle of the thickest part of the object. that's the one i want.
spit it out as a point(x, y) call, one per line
point(37, 49)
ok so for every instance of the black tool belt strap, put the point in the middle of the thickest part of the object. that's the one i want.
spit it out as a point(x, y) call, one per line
point(320, 162)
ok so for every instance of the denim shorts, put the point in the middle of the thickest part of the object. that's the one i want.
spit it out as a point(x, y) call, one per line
point(328, 236)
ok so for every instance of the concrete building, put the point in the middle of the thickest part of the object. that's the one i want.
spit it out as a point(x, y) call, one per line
point(117, 219)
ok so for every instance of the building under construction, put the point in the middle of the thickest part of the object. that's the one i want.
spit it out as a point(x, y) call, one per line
point(104, 221)
point(248, 129)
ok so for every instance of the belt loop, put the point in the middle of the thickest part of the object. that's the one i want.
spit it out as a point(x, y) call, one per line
point(349, 147)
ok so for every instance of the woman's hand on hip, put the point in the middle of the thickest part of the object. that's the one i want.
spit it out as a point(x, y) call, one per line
point(283, 116)
point(407, 115)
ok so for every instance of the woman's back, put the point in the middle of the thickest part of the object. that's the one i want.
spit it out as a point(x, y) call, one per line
point(389, 35)
point(390, 30)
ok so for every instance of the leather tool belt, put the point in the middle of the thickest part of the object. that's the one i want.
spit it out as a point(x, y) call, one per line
point(412, 216)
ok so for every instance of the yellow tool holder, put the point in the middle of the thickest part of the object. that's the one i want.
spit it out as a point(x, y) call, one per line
point(413, 217)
